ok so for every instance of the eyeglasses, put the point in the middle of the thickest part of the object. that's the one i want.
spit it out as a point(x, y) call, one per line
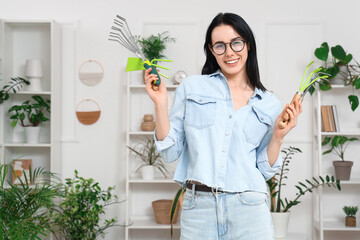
point(237, 45)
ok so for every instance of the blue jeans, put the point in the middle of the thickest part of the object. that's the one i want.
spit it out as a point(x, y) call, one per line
point(225, 216)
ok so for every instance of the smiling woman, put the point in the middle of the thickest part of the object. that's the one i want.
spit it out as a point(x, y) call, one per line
point(223, 130)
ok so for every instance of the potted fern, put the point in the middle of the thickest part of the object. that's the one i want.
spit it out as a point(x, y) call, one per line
point(338, 145)
point(280, 206)
point(350, 219)
point(153, 47)
point(30, 115)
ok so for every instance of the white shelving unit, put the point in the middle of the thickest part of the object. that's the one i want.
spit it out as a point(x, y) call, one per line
point(21, 40)
point(140, 193)
point(328, 216)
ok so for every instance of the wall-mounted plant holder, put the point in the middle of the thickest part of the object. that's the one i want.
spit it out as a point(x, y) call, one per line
point(91, 72)
point(85, 114)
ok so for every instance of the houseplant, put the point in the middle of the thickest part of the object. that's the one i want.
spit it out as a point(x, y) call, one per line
point(78, 216)
point(24, 208)
point(30, 115)
point(350, 219)
point(280, 206)
point(338, 145)
point(15, 84)
point(340, 68)
point(150, 159)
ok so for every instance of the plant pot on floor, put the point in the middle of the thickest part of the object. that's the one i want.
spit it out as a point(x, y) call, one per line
point(280, 222)
point(342, 169)
point(32, 134)
point(162, 211)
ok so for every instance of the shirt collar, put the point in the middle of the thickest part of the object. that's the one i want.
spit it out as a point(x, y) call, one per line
point(257, 92)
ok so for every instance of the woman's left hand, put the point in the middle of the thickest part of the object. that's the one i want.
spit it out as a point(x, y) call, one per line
point(293, 112)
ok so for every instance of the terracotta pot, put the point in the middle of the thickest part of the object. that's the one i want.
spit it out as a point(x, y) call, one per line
point(342, 169)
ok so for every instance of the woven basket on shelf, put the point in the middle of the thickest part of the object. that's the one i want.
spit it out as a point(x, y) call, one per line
point(162, 211)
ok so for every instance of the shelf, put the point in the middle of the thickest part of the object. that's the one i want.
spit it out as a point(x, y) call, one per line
point(27, 145)
point(146, 223)
point(141, 133)
point(142, 86)
point(158, 180)
point(352, 181)
point(339, 226)
point(32, 93)
point(345, 132)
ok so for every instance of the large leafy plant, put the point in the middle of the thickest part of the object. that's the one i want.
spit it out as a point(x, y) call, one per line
point(338, 145)
point(81, 208)
point(280, 204)
point(30, 114)
point(25, 208)
point(341, 65)
point(154, 46)
point(149, 156)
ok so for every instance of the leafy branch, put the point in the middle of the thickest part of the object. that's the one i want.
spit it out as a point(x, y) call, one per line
point(15, 84)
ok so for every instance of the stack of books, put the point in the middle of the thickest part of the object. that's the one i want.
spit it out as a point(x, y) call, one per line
point(329, 119)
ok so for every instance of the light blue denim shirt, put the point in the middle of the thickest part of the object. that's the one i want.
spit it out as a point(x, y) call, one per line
point(216, 145)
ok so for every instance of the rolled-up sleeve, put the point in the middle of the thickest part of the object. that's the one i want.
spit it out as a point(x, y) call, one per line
point(172, 145)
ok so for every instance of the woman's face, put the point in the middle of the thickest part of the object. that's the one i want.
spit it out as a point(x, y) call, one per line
point(231, 63)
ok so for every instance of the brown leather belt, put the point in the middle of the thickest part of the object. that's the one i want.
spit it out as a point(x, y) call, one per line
point(201, 188)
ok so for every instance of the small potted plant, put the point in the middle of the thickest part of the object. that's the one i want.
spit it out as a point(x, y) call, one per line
point(154, 46)
point(280, 206)
point(338, 145)
point(350, 219)
point(150, 159)
point(342, 69)
point(30, 115)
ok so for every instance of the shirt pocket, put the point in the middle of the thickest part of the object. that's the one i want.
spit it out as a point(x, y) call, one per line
point(256, 127)
point(200, 111)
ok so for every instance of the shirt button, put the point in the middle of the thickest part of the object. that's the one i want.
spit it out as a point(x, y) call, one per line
point(222, 165)
point(227, 133)
point(230, 116)
point(224, 150)
point(200, 100)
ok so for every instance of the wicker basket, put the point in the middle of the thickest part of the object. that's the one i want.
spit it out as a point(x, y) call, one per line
point(162, 211)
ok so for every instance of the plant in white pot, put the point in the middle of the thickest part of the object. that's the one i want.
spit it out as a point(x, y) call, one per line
point(150, 159)
point(30, 115)
point(280, 206)
point(338, 146)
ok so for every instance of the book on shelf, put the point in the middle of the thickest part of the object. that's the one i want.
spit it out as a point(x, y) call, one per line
point(329, 119)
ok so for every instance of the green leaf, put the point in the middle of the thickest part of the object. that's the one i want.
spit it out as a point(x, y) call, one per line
point(322, 52)
point(338, 53)
point(348, 58)
point(354, 102)
point(357, 83)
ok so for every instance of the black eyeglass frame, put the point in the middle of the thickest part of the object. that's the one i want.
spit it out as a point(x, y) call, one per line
point(230, 44)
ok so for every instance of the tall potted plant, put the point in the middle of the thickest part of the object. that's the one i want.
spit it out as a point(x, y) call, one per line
point(150, 159)
point(280, 206)
point(338, 145)
point(25, 208)
point(30, 115)
point(78, 215)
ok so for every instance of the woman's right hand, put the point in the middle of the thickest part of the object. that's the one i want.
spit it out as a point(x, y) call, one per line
point(159, 97)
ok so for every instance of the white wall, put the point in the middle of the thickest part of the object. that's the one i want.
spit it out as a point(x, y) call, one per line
point(287, 33)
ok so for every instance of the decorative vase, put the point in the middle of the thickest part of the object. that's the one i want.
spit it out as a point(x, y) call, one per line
point(342, 169)
point(148, 172)
point(350, 221)
point(33, 71)
point(32, 134)
point(280, 222)
point(148, 124)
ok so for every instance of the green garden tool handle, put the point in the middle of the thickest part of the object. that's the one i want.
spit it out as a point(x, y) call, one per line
point(147, 65)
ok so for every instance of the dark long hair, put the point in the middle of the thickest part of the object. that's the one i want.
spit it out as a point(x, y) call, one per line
point(242, 28)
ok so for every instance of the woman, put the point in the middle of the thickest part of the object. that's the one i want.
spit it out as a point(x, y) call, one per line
point(223, 130)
